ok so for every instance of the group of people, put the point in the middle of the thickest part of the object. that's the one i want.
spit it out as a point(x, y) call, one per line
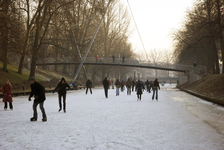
point(139, 87)
point(38, 92)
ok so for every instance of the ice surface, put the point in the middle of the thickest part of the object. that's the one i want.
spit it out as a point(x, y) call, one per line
point(177, 121)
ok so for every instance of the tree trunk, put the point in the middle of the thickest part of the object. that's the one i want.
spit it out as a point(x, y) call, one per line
point(5, 39)
point(22, 58)
point(33, 64)
point(21, 63)
point(5, 49)
point(220, 33)
point(217, 69)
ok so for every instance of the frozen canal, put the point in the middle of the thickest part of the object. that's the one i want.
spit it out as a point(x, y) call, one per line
point(178, 121)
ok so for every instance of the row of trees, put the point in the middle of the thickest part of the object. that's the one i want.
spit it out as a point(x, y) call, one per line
point(61, 29)
point(200, 39)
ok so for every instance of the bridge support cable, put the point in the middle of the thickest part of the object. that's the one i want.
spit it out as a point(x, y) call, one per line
point(83, 59)
point(138, 31)
point(83, 67)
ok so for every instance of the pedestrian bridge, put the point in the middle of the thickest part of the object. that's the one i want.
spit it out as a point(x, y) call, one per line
point(123, 63)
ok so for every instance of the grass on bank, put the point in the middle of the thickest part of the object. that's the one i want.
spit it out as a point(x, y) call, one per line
point(12, 74)
point(40, 75)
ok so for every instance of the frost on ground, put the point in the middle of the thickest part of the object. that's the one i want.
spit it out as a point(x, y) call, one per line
point(177, 121)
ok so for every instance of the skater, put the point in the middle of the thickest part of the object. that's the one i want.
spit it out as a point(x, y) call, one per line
point(112, 84)
point(128, 85)
point(150, 86)
point(155, 89)
point(147, 85)
point(118, 85)
point(105, 85)
point(7, 94)
point(61, 89)
point(88, 86)
point(122, 86)
point(38, 91)
point(139, 87)
point(133, 85)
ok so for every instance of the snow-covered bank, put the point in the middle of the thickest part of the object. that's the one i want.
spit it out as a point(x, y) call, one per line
point(119, 122)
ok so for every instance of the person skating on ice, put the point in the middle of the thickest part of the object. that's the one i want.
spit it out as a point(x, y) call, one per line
point(139, 87)
point(155, 89)
point(61, 89)
point(88, 86)
point(7, 94)
point(106, 85)
point(118, 85)
point(128, 85)
point(38, 91)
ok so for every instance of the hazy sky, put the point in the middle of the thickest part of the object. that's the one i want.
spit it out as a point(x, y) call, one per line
point(155, 20)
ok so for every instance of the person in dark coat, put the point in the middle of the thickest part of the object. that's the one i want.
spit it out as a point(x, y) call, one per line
point(61, 89)
point(118, 85)
point(147, 85)
point(106, 85)
point(7, 94)
point(122, 85)
point(88, 86)
point(150, 86)
point(133, 85)
point(139, 87)
point(38, 91)
point(128, 85)
point(155, 89)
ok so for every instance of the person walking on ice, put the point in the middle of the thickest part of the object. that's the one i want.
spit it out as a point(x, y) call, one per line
point(88, 86)
point(155, 89)
point(128, 85)
point(118, 85)
point(38, 91)
point(61, 89)
point(139, 87)
point(7, 94)
point(106, 85)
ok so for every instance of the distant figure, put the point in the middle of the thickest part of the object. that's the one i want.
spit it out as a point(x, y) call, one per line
point(195, 64)
point(112, 84)
point(123, 59)
point(128, 85)
point(139, 87)
point(150, 86)
point(133, 85)
point(178, 82)
point(113, 57)
point(38, 91)
point(155, 89)
point(97, 58)
point(122, 86)
point(118, 85)
point(88, 86)
point(147, 85)
point(105, 85)
point(61, 89)
point(7, 94)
